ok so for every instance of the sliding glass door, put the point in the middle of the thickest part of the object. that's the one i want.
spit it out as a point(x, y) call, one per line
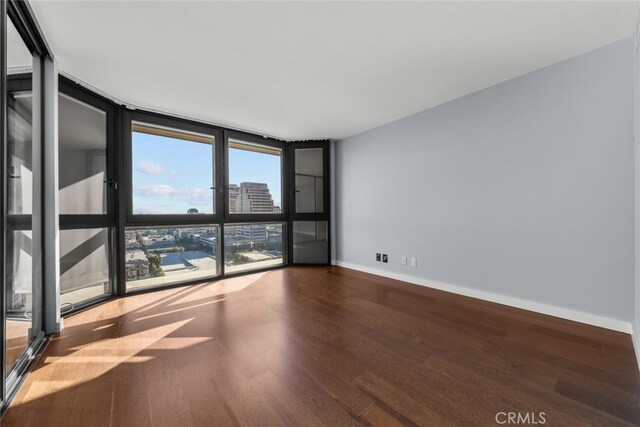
point(22, 229)
point(23, 294)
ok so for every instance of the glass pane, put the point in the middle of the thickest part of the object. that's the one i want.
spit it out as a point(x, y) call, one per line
point(21, 298)
point(84, 266)
point(310, 242)
point(157, 256)
point(172, 171)
point(20, 153)
point(83, 157)
point(252, 246)
point(255, 178)
point(309, 180)
point(19, 58)
point(22, 293)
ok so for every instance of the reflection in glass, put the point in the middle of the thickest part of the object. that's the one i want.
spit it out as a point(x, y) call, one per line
point(157, 256)
point(20, 153)
point(22, 293)
point(252, 246)
point(83, 157)
point(310, 242)
point(172, 171)
point(309, 180)
point(19, 58)
point(255, 178)
point(84, 266)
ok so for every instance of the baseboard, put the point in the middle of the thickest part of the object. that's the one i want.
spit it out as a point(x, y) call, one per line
point(636, 342)
point(550, 310)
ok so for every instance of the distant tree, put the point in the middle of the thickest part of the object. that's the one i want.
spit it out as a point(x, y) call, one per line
point(154, 265)
point(240, 259)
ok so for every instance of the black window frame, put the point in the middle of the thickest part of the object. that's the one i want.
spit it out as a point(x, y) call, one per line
point(129, 220)
point(23, 19)
point(109, 220)
point(230, 217)
point(74, 221)
point(178, 124)
point(325, 215)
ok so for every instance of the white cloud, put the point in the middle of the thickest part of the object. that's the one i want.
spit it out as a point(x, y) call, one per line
point(193, 196)
point(151, 168)
point(196, 196)
point(154, 190)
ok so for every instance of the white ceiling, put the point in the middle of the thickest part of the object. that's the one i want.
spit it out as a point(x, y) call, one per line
point(300, 70)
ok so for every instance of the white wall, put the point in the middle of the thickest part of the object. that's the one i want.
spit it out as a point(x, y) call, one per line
point(523, 190)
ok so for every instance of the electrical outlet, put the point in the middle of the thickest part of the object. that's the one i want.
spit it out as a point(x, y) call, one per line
point(378, 257)
point(414, 262)
point(403, 260)
point(385, 258)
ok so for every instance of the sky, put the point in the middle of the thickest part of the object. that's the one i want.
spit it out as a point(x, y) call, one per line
point(171, 175)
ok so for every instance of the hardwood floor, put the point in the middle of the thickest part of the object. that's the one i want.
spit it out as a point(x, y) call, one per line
point(324, 346)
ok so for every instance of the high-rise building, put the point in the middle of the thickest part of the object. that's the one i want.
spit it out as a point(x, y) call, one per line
point(254, 197)
point(233, 198)
point(255, 232)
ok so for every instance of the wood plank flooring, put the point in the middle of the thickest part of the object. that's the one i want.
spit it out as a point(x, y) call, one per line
point(324, 346)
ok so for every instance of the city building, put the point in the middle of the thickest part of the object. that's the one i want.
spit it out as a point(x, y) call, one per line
point(159, 243)
point(176, 263)
point(210, 240)
point(137, 265)
point(233, 190)
point(254, 197)
point(256, 233)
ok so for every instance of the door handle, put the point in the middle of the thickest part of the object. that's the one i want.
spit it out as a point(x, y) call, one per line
point(111, 183)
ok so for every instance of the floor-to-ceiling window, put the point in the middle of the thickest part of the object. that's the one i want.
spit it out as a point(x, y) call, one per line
point(86, 197)
point(22, 292)
point(253, 238)
point(200, 202)
point(310, 202)
point(23, 59)
point(172, 231)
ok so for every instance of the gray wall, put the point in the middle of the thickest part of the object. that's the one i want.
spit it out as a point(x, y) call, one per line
point(636, 79)
point(524, 189)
